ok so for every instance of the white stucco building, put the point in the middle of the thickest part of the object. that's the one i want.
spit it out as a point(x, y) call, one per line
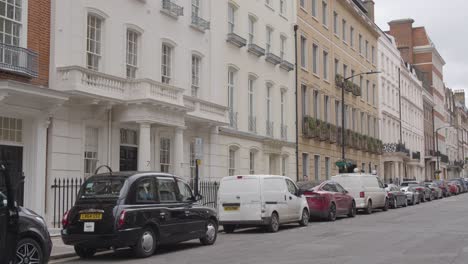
point(145, 79)
point(400, 113)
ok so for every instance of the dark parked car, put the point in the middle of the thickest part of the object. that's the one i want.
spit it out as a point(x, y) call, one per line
point(140, 210)
point(396, 197)
point(23, 233)
point(442, 184)
point(327, 200)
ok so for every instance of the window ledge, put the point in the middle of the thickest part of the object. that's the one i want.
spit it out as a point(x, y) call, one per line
point(283, 16)
point(304, 69)
point(315, 18)
point(327, 81)
point(316, 75)
point(336, 35)
point(325, 26)
point(304, 10)
point(197, 28)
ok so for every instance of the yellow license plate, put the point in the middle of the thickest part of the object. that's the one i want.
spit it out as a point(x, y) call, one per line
point(231, 208)
point(91, 216)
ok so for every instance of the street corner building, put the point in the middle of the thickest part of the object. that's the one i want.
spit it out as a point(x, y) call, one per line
point(336, 41)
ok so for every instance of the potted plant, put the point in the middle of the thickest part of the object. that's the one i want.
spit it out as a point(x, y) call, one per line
point(339, 81)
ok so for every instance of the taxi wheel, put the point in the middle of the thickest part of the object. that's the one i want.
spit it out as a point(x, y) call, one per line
point(29, 251)
point(146, 244)
point(211, 233)
point(85, 253)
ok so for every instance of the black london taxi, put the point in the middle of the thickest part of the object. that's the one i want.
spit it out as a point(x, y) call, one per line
point(140, 210)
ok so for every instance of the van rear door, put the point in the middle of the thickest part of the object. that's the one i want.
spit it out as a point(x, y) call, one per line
point(240, 199)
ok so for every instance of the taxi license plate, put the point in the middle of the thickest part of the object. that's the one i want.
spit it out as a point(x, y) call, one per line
point(231, 208)
point(95, 216)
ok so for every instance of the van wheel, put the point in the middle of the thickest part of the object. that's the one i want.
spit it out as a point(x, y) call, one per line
point(305, 218)
point(332, 213)
point(368, 210)
point(84, 253)
point(352, 212)
point(146, 244)
point(229, 229)
point(273, 226)
point(211, 233)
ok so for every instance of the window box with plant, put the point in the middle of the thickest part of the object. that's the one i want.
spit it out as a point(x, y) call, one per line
point(324, 131)
point(339, 81)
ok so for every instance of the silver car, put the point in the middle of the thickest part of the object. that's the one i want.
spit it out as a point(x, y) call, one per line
point(412, 195)
point(437, 191)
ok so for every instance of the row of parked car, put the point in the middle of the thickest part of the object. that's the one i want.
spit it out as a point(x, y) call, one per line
point(144, 210)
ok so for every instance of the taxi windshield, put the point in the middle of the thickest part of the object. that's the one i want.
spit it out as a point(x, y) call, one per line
point(102, 188)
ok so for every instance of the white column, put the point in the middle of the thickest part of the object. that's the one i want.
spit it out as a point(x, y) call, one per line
point(215, 167)
point(144, 147)
point(178, 151)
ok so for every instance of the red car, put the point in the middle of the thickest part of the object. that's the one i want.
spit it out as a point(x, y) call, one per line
point(453, 188)
point(327, 200)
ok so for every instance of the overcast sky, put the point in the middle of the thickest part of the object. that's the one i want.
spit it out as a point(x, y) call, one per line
point(446, 22)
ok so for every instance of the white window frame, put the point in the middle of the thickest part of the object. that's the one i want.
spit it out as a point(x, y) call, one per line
point(252, 162)
point(283, 40)
point(91, 150)
point(17, 33)
point(269, 88)
point(165, 154)
point(94, 42)
point(268, 39)
point(314, 8)
point(231, 88)
point(283, 7)
point(132, 53)
point(11, 130)
point(252, 24)
point(335, 23)
point(325, 13)
point(196, 7)
point(196, 74)
point(167, 53)
point(303, 52)
point(283, 106)
point(305, 166)
point(231, 18)
point(232, 161)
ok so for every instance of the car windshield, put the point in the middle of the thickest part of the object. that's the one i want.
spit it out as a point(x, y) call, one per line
point(102, 188)
point(308, 185)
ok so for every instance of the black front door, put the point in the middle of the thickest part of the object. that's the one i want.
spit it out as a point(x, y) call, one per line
point(12, 156)
point(8, 219)
point(3, 220)
point(128, 158)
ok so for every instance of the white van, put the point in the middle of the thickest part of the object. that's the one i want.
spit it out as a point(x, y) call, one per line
point(367, 189)
point(260, 200)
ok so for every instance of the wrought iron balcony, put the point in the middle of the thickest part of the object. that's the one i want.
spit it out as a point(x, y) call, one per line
point(269, 128)
point(200, 23)
point(233, 119)
point(284, 132)
point(256, 50)
point(253, 124)
point(18, 60)
point(272, 58)
point(286, 65)
point(236, 40)
point(395, 148)
point(172, 9)
point(444, 158)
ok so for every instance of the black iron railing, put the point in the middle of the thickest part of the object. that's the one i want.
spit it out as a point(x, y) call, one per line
point(18, 60)
point(65, 192)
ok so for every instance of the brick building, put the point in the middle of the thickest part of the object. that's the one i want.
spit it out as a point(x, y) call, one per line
point(26, 103)
point(417, 49)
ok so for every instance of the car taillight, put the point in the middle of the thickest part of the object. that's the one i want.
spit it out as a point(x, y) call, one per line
point(121, 221)
point(362, 194)
point(65, 219)
point(312, 195)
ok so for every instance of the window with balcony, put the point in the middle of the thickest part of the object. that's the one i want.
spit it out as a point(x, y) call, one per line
point(132, 53)
point(304, 101)
point(93, 56)
point(252, 22)
point(368, 91)
point(196, 65)
point(269, 34)
point(166, 63)
point(374, 95)
point(316, 105)
point(326, 105)
point(231, 18)
point(282, 46)
point(195, 8)
point(231, 97)
point(10, 22)
point(165, 154)
point(338, 113)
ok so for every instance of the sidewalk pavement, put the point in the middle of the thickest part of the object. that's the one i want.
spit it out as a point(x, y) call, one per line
point(60, 250)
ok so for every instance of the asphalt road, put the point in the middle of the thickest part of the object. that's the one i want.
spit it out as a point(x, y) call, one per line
point(434, 232)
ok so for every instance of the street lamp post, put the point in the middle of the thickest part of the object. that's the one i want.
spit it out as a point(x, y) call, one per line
point(436, 135)
point(343, 147)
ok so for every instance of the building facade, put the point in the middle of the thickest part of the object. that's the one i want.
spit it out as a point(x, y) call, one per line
point(337, 40)
point(26, 102)
point(417, 49)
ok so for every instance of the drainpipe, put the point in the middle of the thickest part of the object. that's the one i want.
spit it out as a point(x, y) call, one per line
point(296, 27)
point(109, 137)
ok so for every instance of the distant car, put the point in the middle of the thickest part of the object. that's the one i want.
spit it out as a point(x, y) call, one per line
point(367, 189)
point(412, 195)
point(426, 192)
point(436, 190)
point(260, 200)
point(395, 196)
point(140, 210)
point(407, 183)
point(453, 187)
point(327, 200)
point(442, 184)
point(462, 184)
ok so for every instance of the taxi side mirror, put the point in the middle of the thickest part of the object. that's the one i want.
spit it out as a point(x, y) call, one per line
point(197, 197)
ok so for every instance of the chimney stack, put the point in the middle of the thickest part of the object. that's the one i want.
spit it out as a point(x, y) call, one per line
point(369, 5)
